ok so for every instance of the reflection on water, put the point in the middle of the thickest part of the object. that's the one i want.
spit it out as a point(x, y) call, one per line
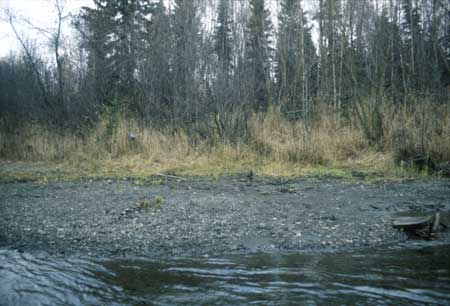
point(411, 276)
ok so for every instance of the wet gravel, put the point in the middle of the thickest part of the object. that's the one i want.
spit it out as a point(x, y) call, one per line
point(199, 216)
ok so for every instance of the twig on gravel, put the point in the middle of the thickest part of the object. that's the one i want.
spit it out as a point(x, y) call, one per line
point(170, 176)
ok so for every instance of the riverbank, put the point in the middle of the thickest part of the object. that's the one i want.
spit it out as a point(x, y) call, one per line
point(412, 143)
point(183, 216)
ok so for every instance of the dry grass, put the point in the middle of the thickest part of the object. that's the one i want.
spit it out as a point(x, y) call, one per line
point(321, 141)
point(278, 147)
point(422, 130)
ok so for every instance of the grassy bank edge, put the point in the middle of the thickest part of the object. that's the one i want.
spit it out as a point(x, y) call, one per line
point(140, 171)
point(412, 142)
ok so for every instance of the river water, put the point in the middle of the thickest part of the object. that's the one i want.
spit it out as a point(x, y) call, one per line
point(409, 275)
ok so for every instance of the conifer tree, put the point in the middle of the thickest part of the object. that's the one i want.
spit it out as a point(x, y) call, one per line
point(223, 40)
point(258, 54)
point(296, 58)
point(186, 31)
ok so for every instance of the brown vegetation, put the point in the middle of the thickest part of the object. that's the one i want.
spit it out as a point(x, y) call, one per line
point(415, 136)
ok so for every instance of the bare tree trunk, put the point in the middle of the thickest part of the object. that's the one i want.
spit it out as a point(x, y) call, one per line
point(392, 75)
point(331, 16)
point(341, 62)
point(57, 40)
point(320, 79)
point(302, 62)
point(47, 103)
point(413, 68)
point(402, 61)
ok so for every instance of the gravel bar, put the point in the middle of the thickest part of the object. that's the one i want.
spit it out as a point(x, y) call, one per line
point(198, 216)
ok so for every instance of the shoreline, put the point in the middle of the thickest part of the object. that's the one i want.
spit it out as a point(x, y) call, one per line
point(198, 216)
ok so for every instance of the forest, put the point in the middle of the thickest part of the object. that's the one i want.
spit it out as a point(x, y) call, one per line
point(207, 86)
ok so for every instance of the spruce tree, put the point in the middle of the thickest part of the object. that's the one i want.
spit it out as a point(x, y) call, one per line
point(114, 32)
point(258, 54)
point(296, 56)
point(223, 40)
point(186, 31)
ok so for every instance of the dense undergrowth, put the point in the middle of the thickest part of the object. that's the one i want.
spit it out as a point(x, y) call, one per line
point(387, 139)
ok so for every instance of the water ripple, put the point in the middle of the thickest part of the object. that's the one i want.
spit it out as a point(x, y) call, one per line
point(366, 277)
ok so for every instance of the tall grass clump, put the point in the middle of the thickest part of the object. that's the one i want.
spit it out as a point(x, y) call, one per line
point(418, 134)
point(317, 141)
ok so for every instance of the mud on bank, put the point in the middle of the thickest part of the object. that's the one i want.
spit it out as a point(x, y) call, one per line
point(164, 216)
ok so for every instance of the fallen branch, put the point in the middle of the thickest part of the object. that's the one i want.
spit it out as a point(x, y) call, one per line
point(170, 176)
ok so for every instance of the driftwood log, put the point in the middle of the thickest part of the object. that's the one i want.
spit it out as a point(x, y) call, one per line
point(426, 226)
